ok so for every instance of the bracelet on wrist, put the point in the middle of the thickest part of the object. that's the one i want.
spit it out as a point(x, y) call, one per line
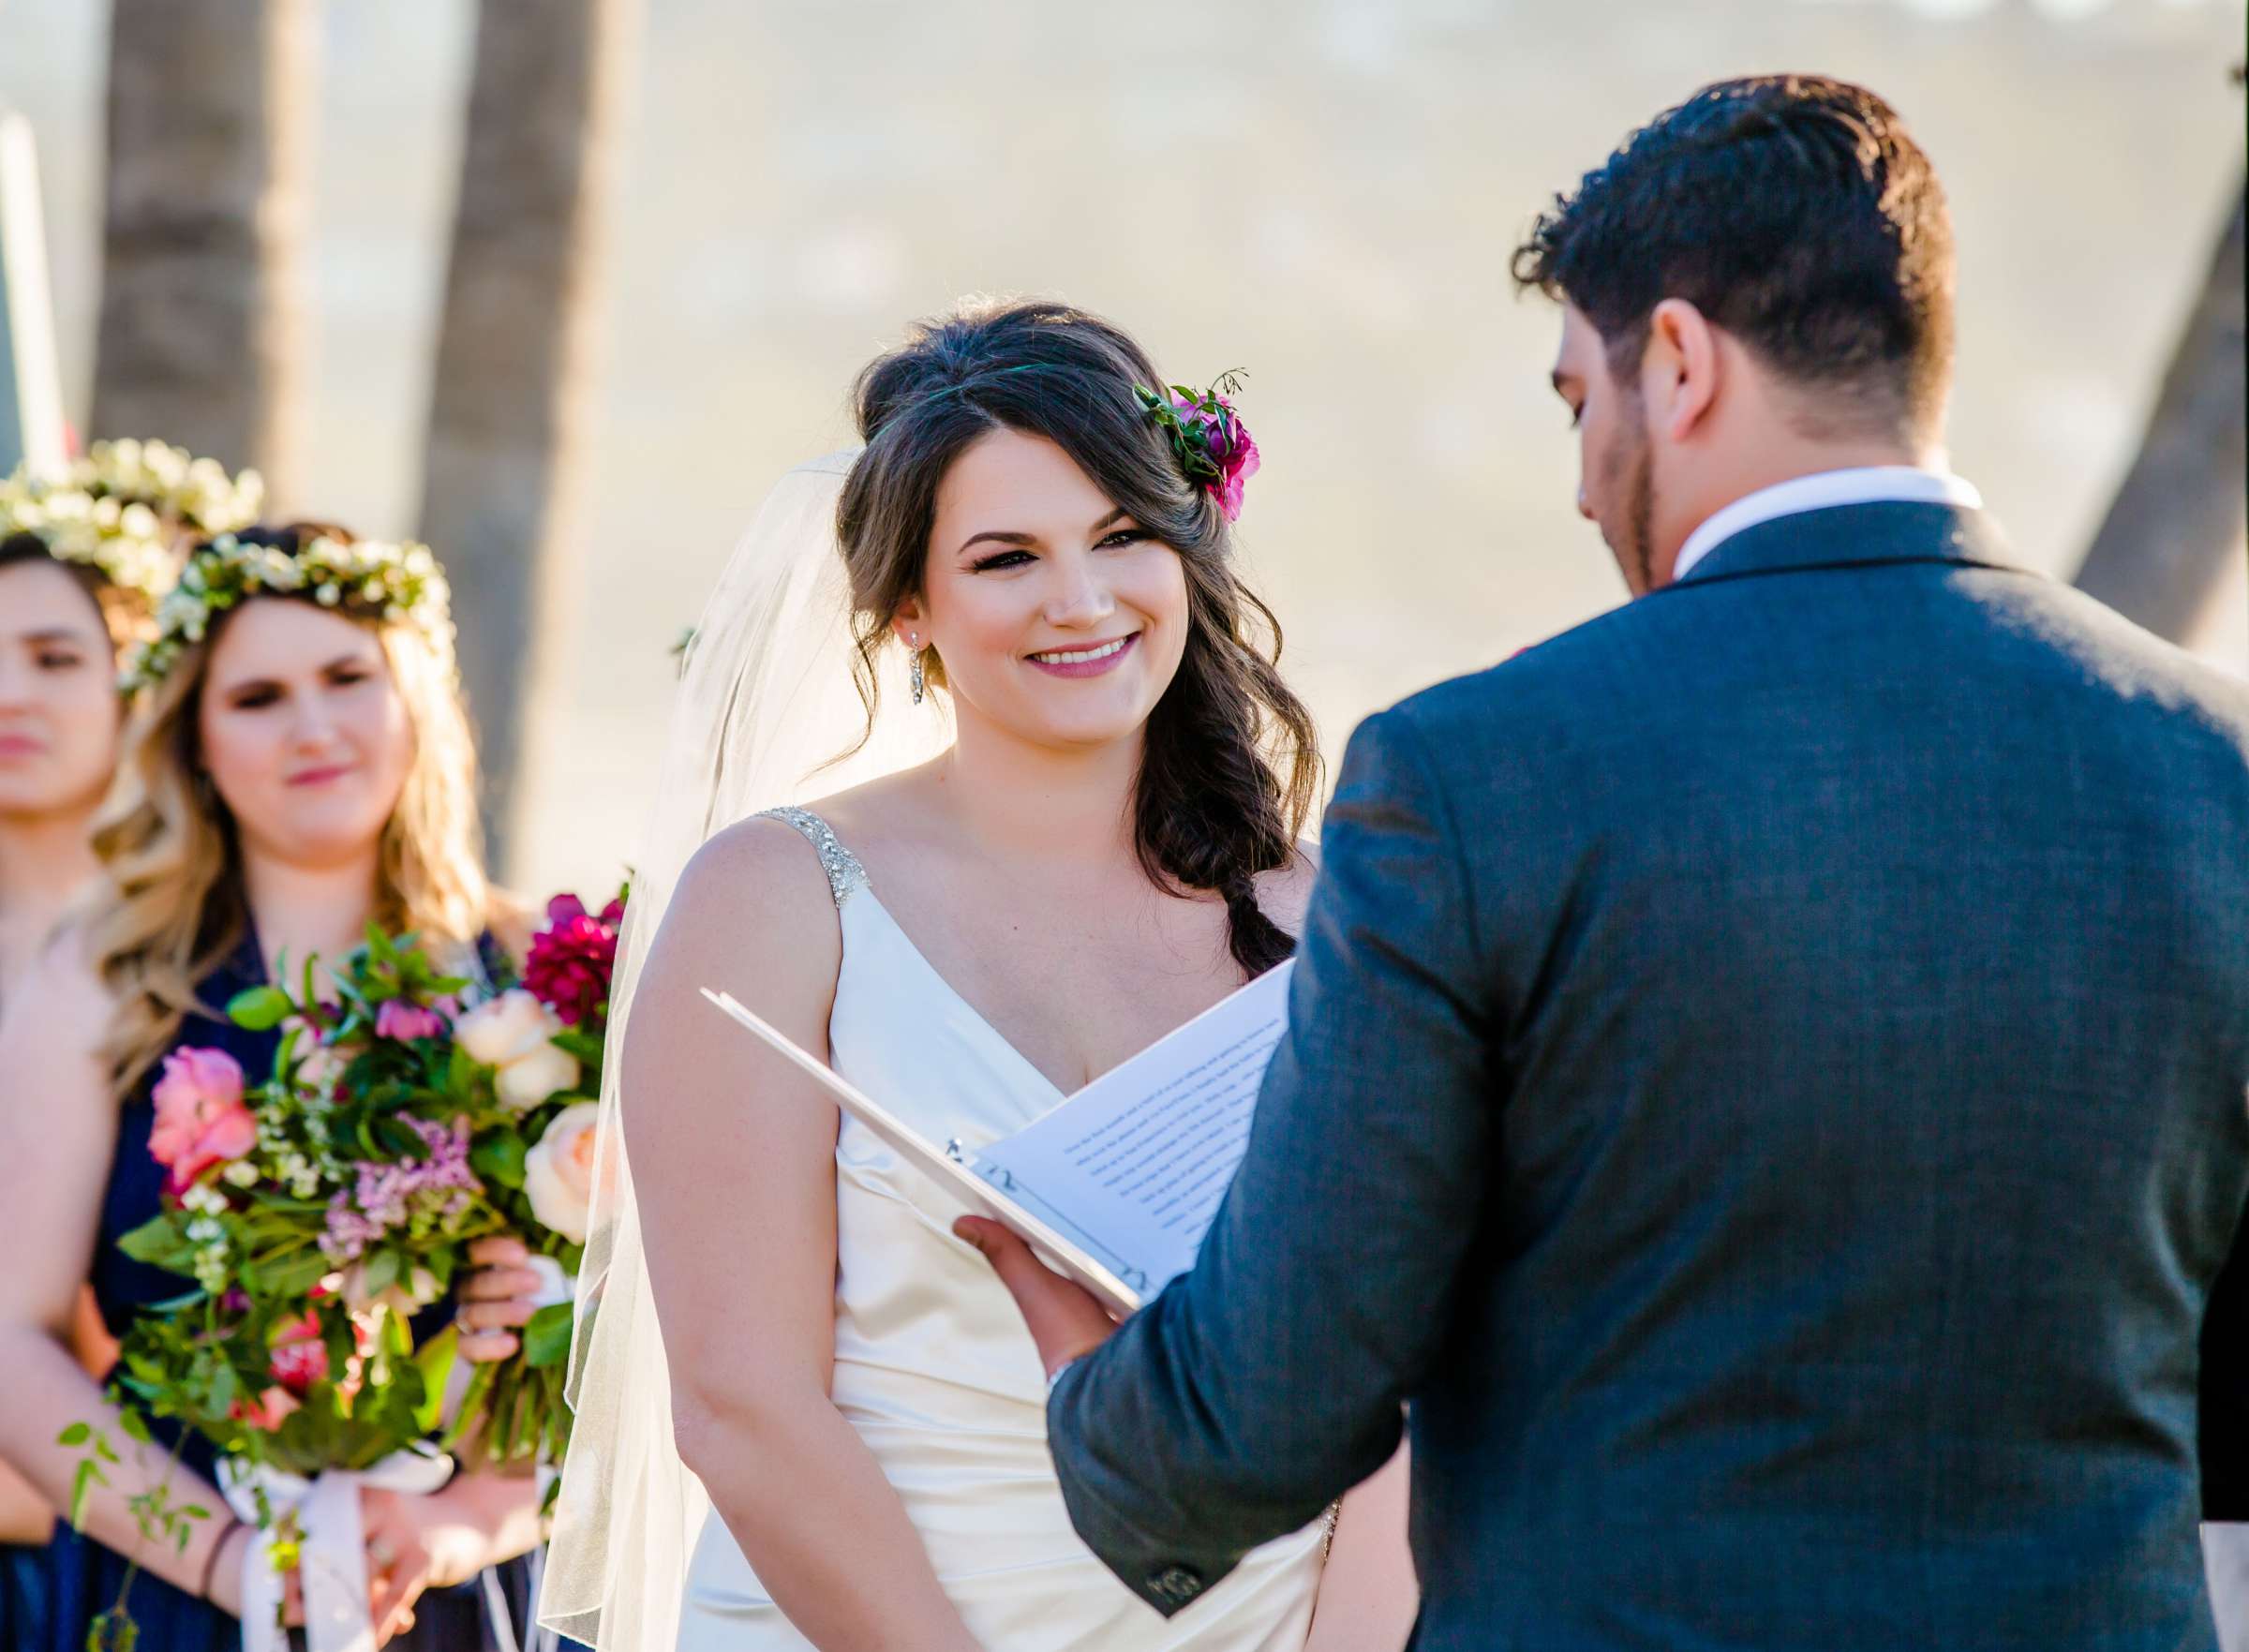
point(234, 1523)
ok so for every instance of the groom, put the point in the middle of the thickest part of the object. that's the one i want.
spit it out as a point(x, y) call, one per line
point(1764, 1097)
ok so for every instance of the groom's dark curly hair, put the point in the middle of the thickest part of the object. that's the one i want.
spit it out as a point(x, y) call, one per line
point(1230, 764)
point(1797, 213)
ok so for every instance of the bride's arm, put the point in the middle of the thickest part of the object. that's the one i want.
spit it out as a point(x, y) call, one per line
point(1368, 1596)
point(733, 1156)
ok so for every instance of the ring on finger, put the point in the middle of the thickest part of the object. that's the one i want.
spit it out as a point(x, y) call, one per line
point(381, 1552)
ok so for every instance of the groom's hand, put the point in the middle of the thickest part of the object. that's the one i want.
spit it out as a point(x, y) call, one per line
point(1066, 1321)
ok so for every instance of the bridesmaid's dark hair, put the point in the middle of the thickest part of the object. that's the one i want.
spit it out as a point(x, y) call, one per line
point(1231, 765)
point(125, 614)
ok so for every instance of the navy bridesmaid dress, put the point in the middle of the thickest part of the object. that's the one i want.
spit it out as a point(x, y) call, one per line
point(25, 1603)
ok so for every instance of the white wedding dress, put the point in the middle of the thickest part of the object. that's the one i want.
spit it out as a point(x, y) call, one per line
point(933, 1367)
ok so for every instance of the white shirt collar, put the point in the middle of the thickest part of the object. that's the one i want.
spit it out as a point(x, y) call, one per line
point(1863, 485)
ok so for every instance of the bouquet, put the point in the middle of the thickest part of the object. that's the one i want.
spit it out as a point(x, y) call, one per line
point(318, 1216)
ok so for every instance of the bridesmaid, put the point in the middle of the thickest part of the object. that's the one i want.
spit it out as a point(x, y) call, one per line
point(84, 558)
point(83, 561)
point(59, 722)
point(303, 768)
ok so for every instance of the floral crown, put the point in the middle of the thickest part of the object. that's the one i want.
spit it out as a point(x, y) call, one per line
point(124, 508)
point(1208, 438)
point(400, 582)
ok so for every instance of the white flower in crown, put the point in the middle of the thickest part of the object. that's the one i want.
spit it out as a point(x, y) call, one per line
point(401, 583)
point(123, 509)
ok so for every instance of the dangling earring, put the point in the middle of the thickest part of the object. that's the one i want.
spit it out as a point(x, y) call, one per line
point(914, 642)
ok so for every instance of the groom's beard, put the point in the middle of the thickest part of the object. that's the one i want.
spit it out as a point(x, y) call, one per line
point(1640, 515)
point(1632, 482)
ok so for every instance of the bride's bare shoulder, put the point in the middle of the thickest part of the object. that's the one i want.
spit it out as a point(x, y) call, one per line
point(768, 869)
point(756, 884)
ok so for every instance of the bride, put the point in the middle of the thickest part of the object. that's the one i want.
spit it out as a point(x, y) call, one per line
point(839, 1441)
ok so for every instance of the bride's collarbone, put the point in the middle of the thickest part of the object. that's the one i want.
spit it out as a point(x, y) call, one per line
point(1075, 991)
point(1076, 968)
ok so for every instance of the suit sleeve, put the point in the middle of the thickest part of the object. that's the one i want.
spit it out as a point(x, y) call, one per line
point(1271, 1379)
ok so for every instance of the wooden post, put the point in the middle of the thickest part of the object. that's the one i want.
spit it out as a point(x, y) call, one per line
point(31, 391)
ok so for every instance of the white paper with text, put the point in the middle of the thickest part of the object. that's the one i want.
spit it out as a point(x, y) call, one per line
point(1136, 1163)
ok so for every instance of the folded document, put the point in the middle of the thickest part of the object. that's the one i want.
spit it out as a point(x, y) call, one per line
point(1117, 1184)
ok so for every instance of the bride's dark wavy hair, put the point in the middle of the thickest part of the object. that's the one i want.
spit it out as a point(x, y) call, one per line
point(1231, 765)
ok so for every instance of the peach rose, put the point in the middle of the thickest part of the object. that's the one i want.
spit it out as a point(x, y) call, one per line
point(529, 1080)
point(502, 1029)
point(557, 1172)
point(513, 1036)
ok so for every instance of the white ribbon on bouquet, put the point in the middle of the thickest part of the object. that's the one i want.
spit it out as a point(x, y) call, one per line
point(333, 1555)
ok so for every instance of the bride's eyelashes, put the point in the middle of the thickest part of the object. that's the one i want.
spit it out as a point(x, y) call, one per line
point(1013, 558)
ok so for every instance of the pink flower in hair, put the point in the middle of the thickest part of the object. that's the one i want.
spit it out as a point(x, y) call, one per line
point(1208, 439)
point(1236, 463)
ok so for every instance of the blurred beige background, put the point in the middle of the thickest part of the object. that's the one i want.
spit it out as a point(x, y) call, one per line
point(1322, 192)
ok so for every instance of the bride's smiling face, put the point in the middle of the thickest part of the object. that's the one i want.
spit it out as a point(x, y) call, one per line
point(1057, 619)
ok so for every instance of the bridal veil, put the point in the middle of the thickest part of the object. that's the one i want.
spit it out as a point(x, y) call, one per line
point(766, 702)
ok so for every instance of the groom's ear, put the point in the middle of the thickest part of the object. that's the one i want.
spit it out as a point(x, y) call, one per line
point(1680, 370)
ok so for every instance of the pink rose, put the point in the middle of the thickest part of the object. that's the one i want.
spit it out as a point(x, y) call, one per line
point(201, 1119)
point(299, 1355)
point(405, 1021)
point(1226, 442)
point(268, 1411)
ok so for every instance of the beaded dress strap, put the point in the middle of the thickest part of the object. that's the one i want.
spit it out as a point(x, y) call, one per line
point(844, 872)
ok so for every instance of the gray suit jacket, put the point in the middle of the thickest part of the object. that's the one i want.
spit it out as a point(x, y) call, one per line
point(1765, 1096)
